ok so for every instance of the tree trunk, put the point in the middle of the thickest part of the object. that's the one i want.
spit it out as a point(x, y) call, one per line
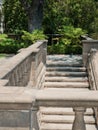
point(34, 11)
point(35, 15)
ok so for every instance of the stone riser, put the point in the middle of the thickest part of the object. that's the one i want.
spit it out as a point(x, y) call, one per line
point(56, 126)
point(62, 64)
point(62, 111)
point(72, 74)
point(66, 119)
point(71, 69)
point(66, 85)
point(65, 79)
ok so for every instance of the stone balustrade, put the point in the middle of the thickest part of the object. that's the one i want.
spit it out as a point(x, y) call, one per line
point(19, 76)
point(92, 68)
point(31, 99)
point(78, 101)
point(27, 68)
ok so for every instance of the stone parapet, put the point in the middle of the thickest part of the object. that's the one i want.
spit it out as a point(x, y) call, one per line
point(25, 66)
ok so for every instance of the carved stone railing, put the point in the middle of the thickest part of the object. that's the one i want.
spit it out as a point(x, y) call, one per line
point(88, 44)
point(31, 99)
point(18, 99)
point(78, 101)
point(92, 69)
point(26, 68)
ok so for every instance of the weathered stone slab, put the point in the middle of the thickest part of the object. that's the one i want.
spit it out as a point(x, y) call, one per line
point(16, 98)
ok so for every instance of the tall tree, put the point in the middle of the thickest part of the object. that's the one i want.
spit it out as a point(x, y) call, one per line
point(34, 11)
point(82, 13)
point(14, 17)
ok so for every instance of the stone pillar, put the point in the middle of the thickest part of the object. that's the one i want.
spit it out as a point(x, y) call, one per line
point(79, 123)
point(87, 46)
point(33, 119)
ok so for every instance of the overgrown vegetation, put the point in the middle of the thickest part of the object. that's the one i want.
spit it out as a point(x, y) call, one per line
point(30, 38)
point(8, 45)
point(69, 43)
point(15, 18)
point(69, 18)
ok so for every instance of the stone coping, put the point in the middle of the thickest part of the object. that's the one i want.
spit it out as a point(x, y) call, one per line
point(16, 98)
point(20, 98)
point(62, 98)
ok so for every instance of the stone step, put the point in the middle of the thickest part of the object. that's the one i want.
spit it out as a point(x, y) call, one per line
point(56, 126)
point(74, 69)
point(74, 74)
point(66, 79)
point(68, 89)
point(67, 119)
point(63, 64)
point(66, 84)
point(62, 111)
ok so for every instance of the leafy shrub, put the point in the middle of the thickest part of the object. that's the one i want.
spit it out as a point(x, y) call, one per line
point(69, 43)
point(71, 35)
point(15, 17)
point(56, 49)
point(64, 49)
point(33, 37)
point(8, 45)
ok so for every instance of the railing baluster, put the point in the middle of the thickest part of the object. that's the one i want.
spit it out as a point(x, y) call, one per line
point(79, 123)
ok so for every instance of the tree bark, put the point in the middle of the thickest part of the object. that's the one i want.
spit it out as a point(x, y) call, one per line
point(34, 12)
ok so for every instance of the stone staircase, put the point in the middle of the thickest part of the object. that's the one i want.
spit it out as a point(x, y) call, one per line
point(66, 73)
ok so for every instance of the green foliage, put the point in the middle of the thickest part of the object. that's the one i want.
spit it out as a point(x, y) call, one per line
point(94, 33)
point(8, 45)
point(14, 16)
point(3, 37)
point(55, 15)
point(78, 13)
point(34, 36)
point(56, 49)
point(82, 13)
point(70, 41)
point(66, 17)
point(71, 35)
point(64, 49)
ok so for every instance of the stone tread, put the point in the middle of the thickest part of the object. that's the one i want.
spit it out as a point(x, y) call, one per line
point(58, 73)
point(66, 85)
point(69, 89)
point(66, 79)
point(62, 111)
point(68, 119)
point(66, 69)
point(57, 126)
point(63, 64)
point(61, 72)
